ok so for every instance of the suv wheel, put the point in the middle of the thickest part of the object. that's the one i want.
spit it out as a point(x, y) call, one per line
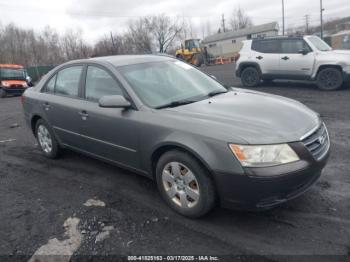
point(250, 77)
point(184, 184)
point(2, 93)
point(329, 79)
point(46, 140)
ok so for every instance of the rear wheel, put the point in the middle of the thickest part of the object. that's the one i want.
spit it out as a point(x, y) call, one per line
point(330, 79)
point(2, 93)
point(197, 60)
point(250, 77)
point(46, 140)
point(185, 184)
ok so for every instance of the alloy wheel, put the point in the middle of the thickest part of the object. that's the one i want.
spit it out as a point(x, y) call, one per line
point(180, 185)
point(45, 139)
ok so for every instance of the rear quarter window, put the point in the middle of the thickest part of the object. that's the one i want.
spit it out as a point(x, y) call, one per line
point(272, 46)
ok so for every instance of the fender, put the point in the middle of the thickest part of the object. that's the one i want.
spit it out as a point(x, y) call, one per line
point(319, 66)
point(243, 65)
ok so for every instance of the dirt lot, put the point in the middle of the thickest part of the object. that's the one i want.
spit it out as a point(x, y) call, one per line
point(39, 195)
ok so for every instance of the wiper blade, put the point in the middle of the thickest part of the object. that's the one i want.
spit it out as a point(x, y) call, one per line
point(217, 92)
point(176, 103)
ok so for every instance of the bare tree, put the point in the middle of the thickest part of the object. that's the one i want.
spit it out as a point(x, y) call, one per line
point(164, 30)
point(240, 20)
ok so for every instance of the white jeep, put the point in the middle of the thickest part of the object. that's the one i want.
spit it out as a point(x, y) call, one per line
point(293, 58)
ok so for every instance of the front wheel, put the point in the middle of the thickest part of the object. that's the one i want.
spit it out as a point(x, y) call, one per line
point(250, 77)
point(2, 93)
point(185, 184)
point(329, 79)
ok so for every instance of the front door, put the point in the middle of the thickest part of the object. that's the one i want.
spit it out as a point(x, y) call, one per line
point(293, 63)
point(110, 133)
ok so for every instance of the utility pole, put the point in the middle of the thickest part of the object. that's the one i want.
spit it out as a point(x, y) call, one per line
point(283, 17)
point(223, 23)
point(307, 24)
point(321, 17)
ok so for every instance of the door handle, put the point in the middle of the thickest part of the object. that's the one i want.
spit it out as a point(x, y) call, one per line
point(84, 114)
point(259, 57)
point(285, 58)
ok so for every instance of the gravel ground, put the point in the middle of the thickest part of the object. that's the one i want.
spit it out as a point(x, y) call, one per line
point(38, 196)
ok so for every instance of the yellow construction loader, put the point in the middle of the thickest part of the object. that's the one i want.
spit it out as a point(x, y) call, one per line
point(191, 52)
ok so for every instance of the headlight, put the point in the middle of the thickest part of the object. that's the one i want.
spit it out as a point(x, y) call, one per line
point(264, 155)
point(6, 84)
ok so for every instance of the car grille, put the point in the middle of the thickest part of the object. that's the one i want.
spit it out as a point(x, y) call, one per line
point(318, 142)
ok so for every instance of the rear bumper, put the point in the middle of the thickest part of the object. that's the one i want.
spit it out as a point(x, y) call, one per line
point(265, 188)
point(346, 77)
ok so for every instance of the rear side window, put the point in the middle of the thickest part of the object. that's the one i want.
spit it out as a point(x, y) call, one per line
point(67, 82)
point(293, 46)
point(271, 46)
point(100, 83)
point(50, 86)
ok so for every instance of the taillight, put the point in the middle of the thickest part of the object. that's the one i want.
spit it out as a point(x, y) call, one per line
point(238, 56)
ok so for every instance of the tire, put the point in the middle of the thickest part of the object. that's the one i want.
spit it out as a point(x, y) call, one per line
point(329, 79)
point(46, 140)
point(191, 196)
point(197, 60)
point(250, 77)
point(2, 93)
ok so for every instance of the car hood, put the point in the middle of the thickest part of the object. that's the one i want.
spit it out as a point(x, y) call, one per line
point(248, 117)
point(341, 52)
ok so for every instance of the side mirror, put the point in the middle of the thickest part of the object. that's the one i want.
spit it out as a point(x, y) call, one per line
point(114, 102)
point(304, 51)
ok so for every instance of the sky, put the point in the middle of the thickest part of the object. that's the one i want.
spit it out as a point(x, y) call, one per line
point(95, 18)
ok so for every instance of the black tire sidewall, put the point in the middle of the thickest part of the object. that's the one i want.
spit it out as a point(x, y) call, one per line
point(2, 93)
point(206, 186)
point(55, 152)
point(245, 70)
point(320, 83)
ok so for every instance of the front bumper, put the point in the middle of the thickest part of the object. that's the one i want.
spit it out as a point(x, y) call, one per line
point(13, 90)
point(264, 188)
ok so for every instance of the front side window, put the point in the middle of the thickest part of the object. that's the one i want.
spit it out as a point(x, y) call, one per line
point(293, 46)
point(67, 82)
point(161, 83)
point(100, 83)
point(50, 86)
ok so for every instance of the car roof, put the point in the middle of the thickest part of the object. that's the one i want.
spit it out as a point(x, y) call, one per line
point(122, 60)
point(278, 38)
point(13, 66)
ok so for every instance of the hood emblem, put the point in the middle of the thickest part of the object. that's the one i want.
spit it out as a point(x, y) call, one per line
point(322, 139)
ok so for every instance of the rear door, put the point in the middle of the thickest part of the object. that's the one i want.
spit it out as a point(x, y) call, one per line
point(61, 104)
point(293, 63)
point(266, 53)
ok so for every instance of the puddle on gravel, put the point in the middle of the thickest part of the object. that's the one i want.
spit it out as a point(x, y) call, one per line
point(62, 250)
point(95, 203)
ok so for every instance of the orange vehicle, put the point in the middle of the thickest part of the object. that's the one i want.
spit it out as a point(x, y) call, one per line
point(12, 79)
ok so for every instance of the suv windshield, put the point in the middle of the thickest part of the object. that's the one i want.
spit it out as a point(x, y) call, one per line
point(171, 83)
point(12, 73)
point(319, 44)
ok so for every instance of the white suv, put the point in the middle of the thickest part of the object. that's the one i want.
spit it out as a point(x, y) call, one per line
point(293, 58)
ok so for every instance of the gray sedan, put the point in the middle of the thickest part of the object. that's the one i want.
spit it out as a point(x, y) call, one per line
point(201, 142)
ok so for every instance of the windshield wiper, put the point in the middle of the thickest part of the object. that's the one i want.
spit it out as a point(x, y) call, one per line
point(217, 92)
point(176, 103)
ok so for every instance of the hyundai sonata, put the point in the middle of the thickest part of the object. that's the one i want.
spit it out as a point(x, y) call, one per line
point(201, 142)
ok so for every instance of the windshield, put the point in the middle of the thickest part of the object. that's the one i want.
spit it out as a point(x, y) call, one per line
point(11, 73)
point(161, 83)
point(319, 44)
